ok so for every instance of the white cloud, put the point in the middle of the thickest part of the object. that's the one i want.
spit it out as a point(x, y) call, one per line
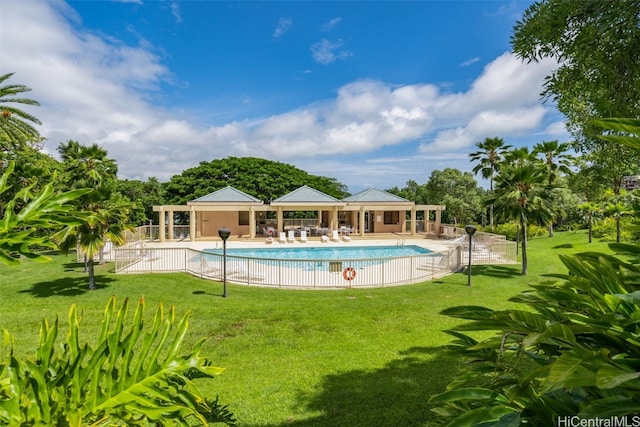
point(95, 90)
point(328, 26)
point(326, 52)
point(470, 61)
point(175, 11)
point(283, 26)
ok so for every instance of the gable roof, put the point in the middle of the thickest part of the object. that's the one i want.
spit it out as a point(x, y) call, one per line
point(226, 195)
point(306, 194)
point(375, 195)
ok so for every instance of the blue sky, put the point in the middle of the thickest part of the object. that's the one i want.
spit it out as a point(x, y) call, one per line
point(370, 93)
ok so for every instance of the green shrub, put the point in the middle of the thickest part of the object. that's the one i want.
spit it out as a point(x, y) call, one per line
point(509, 230)
point(606, 229)
point(131, 377)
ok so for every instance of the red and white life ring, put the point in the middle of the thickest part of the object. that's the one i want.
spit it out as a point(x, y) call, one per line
point(349, 273)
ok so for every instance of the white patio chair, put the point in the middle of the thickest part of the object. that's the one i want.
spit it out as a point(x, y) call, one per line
point(335, 236)
point(303, 236)
point(291, 236)
point(283, 237)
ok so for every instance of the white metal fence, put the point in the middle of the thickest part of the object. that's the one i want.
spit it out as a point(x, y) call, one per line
point(281, 273)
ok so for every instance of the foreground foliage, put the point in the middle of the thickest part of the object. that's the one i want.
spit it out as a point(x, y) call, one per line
point(130, 377)
point(575, 353)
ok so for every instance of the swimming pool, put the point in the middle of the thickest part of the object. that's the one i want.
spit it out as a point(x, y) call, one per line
point(326, 253)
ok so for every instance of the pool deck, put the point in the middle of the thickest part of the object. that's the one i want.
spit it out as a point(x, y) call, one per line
point(435, 245)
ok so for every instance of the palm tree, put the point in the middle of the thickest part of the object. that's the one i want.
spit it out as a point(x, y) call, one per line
point(89, 167)
point(617, 210)
point(589, 208)
point(521, 195)
point(556, 161)
point(489, 158)
point(15, 129)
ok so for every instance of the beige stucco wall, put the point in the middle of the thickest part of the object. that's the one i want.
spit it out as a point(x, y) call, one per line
point(210, 222)
point(380, 227)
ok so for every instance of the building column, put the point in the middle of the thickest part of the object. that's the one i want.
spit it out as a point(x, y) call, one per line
point(438, 221)
point(280, 219)
point(252, 223)
point(319, 218)
point(161, 225)
point(170, 213)
point(192, 224)
point(361, 226)
point(426, 221)
point(413, 221)
point(334, 218)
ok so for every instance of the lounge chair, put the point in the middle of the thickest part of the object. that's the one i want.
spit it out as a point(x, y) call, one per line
point(346, 238)
point(303, 236)
point(291, 236)
point(283, 237)
point(335, 236)
point(324, 238)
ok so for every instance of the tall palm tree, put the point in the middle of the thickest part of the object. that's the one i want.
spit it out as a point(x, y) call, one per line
point(89, 167)
point(589, 208)
point(16, 128)
point(522, 195)
point(557, 162)
point(489, 159)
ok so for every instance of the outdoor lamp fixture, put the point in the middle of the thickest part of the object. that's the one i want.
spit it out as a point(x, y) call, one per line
point(224, 234)
point(471, 230)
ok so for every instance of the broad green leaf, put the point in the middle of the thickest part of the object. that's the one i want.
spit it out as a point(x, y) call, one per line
point(609, 377)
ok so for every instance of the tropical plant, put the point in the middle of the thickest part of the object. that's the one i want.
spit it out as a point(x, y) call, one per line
point(128, 377)
point(589, 208)
point(489, 157)
point(557, 162)
point(521, 195)
point(617, 210)
point(89, 167)
point(16, 130)
point(26, 214)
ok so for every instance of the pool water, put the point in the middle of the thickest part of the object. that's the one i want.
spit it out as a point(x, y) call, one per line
point(326, 253)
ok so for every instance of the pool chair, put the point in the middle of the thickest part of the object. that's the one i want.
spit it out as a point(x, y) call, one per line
point(346, 238)
point(335, 236)
point(324, 238)
point(303, 236)
point(283, 237)
point(291, 236)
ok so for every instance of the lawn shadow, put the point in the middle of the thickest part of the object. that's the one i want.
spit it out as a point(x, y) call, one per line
point(206, 293)
point(565, 246)
point(497, 271)
point(66, 286)
point(394, 395)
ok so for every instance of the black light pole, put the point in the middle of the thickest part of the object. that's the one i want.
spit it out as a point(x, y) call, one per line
point(224, 234)
point(471, 230)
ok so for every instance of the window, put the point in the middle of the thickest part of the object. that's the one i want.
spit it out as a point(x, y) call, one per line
point(243, 218)
point(391, 217)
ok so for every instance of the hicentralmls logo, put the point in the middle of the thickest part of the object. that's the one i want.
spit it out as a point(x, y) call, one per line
point(576, 421)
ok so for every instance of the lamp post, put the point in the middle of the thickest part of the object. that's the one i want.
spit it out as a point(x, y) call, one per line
point(471, 230)
point(224, 234)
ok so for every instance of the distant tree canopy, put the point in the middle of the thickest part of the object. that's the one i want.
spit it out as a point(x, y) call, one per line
point(264, 179)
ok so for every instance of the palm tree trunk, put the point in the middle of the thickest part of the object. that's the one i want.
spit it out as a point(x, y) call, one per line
point(524, 249)
point(92, 277)
point(618, 229)
point(590, 227)
point(491, 205)
point(551, 229)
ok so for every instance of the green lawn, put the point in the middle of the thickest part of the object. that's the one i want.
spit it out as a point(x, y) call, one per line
point(369, 357)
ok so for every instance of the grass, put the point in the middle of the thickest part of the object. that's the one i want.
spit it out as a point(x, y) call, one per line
point(368, 357)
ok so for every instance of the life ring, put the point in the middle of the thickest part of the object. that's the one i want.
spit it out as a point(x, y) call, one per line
point(349, 273)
